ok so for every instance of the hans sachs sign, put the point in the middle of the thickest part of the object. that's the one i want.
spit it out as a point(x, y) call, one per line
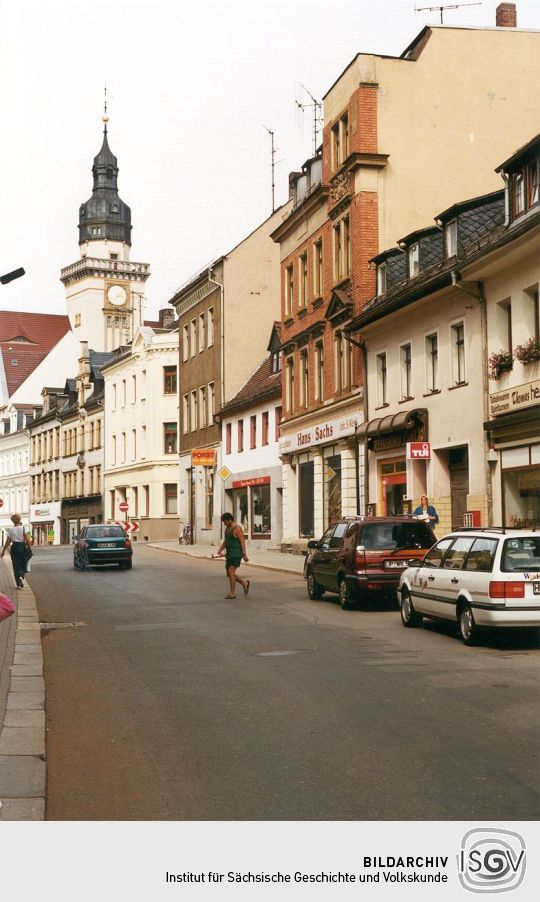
point(331, 430)
point(516, 397)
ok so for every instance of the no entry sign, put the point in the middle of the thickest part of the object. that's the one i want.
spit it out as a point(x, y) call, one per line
point(123, 506)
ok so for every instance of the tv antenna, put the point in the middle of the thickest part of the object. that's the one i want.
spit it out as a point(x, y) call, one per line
point(441, 9)
point(316, 106)
point(273, 158)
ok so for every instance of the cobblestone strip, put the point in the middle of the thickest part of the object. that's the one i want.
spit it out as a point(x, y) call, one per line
point(22, 727)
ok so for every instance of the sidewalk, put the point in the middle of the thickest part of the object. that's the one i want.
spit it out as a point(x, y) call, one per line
point(22, 707)
point(267, 560)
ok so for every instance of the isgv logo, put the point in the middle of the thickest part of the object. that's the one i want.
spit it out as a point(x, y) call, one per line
point(491, 861)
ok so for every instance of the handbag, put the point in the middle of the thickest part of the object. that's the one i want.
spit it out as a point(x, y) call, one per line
point(27, 553)
point(7, 608)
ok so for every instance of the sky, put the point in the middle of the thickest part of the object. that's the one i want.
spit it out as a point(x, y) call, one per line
point(191, 87)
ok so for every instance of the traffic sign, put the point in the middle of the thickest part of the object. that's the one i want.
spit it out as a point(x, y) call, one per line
point(125, 525)
point(1, 503)
point(224, 473)
point(134, 526)
point(123, 506)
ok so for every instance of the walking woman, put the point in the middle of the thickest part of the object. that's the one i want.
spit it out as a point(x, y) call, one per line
point(234, 545)
point(18, 539)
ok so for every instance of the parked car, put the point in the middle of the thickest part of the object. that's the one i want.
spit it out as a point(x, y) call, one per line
point(102, 544)
point(360, 555)
point(488, 577)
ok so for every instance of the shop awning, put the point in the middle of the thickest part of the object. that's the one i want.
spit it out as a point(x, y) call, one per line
point(397, 422)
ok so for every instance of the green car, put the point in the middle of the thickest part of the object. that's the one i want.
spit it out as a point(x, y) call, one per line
point(102, 544)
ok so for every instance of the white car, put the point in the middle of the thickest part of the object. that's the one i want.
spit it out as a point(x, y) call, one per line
point(488, 577)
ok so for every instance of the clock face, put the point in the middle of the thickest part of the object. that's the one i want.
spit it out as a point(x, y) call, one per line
point(117, 295)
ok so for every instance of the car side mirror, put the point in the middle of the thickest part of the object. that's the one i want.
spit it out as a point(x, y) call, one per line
point(416, 562)
point(312, 543)
point(324, 547)
point(361, 549)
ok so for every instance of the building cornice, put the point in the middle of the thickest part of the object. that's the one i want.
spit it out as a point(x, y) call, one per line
point(308, 206)
point(99, 268)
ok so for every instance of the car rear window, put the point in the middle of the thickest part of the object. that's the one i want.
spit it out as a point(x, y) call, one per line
point(392, 536)
point(521, 555)
point(104, 532)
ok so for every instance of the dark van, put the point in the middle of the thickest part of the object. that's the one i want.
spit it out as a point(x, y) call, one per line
point(360, 555)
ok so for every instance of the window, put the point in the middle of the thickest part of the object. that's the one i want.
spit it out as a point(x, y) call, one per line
point(261, 512)
point(341, 363)
point(289, 290)
point(382, 386)
point(202, 408)
point(342, 250)
point(211, 402)
point(304, 379)
point(146, 501)
point(114, 449)
point(143, 442)
point(143, 385)
point(450, 235)
point(414, 260)
point(133, 444)
point(194, 420)
point(532, 183)
point(253, 432)
point(455, 558)
point(169, 380)
point(340, 141)
point(406, 373)
point(193, 337)
point(432, 362)
point(123, 392)
point(318, 285)
point(434, 557)
point(210, 328)
point(228, 438)
point(77, 319)
point(518, 189)
point(278, 417)
point(170, 438)
point(481, 555)
point(240, 436)
point(201, 332)
point(302, 280)
point(276, 361)
point(135, 500)
point(185, 414)
point(319, 371)
point(171, 497)
point(289, 385)
point(133, 389)
point(504, 310)
point(458, 353)
point(123, 447)
point(264, 427)
point(185, 342)
point(381, 278)
point(208, 497)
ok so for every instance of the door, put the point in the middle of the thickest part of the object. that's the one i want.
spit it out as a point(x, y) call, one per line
point(452, 577)
point(333, 555)
point(394, 491)
point(458, 468)
point(320, 562)
point(425, 585)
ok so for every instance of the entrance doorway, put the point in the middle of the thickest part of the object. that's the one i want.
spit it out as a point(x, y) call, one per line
point(393, 487)
point(458, 468)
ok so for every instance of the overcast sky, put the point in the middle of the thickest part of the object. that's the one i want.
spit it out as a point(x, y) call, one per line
point(191, 85)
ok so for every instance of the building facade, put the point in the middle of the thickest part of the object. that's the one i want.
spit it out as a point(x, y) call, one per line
point(14, 467)
point(45, 469)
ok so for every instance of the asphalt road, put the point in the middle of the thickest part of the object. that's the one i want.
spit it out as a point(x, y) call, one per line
point(165, 701)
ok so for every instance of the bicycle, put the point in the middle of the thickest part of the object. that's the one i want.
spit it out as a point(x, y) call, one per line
point(186, 537)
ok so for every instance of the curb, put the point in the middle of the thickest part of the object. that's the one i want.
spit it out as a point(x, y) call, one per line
point(23, 769)
point(205, 557)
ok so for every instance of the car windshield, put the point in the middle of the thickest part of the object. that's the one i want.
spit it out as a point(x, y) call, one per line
point(393, 536)
point(521, 555)
point(104, 532)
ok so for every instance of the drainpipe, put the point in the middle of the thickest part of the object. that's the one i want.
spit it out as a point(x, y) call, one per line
point(366, 454)
point(478, 293)
point(221, 287)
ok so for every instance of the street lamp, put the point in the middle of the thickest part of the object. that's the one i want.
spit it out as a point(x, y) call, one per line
point(10, 276)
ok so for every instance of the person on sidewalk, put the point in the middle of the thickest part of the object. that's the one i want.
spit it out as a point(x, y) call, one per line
point(425, 511)
point(18, 539)
point(234, 545)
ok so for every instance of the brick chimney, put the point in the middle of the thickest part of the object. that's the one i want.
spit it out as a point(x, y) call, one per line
point(166, 318)
point(506, 16)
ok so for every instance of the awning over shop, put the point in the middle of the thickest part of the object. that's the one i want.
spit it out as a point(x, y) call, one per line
point(397, 422)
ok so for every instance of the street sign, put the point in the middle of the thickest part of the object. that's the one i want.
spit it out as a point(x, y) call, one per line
point(224, 473)
point(418, 451)
point(203, 457)
point(123, 506)
point(1, 503)
point(125, 525)
point(134, 526)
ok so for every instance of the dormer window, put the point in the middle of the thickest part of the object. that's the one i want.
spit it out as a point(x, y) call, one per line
point(276, 362)
point(381, 278)
point(450, 235)
point(414, 260)
point(525, 193)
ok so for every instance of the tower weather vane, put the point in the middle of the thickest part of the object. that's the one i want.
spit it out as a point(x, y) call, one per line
point(441, 9)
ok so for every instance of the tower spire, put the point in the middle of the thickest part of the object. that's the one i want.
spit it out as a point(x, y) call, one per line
point(105, 116)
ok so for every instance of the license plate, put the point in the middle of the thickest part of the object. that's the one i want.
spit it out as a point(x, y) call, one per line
point(107, 545)
point(395, 565)
point(536, 588)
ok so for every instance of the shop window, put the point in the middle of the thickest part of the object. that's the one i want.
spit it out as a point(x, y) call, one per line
point(260, 512)
point(432, 362)
point(306, 499)
point(332, 489)
point(208, 497)
point(169, 380)
point(521, 497)
point(241, 508)
point(171, 498)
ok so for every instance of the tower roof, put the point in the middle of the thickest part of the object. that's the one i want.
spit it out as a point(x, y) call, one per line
point(105, 215)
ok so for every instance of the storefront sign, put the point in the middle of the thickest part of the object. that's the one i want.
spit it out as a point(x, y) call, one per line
point(256, 480)
point(42, 512)
point(516, 398)
point(203, 457)
point(418, 451)
point(322, 433)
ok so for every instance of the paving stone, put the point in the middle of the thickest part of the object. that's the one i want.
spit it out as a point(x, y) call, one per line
point(22, 810)
point(34, 657)
point(27, 670)
point(28, 683)
point(32, 717)
point(22, 741)
point(25, 627)
point(21, 777)
point(27, 647)
point(25, 701)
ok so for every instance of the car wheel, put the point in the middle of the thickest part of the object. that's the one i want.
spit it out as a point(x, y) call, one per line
point(468, 629)
point(409, 617)
point(128, 565)
point(346, 597)
point(75, 563)
point(314, 590)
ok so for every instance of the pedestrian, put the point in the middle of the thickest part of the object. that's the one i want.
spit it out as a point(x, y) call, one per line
point(426, 511)
point(18, 539)
point(234, 545)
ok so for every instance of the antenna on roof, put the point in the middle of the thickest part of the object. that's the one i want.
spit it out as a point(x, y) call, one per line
point(273, 164)
point(316, 106)
point(441, 9)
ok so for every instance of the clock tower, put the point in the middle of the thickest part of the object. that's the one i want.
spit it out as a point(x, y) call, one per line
point(105, 289)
